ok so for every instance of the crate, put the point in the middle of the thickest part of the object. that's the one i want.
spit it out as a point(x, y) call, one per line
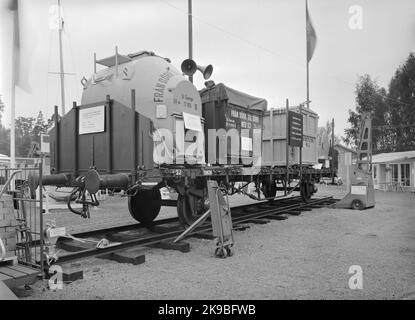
point(8, 261)
point(8, 223)
point(226, 108)
point(275, 136)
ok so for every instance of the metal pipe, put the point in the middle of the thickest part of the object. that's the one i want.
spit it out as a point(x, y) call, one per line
point(133, 136)
point(56, 146)
point(119, 180)
point(286, 148)
point(42, 240)
point(76, 137)
point(116, 61)
point(109, 133)
point(193, 226)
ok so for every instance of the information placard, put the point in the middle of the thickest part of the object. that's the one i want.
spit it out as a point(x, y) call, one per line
point(92, 120)
point(192, 122)
point(295, 129)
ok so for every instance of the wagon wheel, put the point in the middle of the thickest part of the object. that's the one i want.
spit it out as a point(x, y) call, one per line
point(357, 204)
point(190, 207)
point(306, 190)
point(269, 189)
point(221, 252)
point(145, 205)
point(229, 251)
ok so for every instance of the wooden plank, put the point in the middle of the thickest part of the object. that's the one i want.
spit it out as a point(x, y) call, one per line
point(169, 245)
point(134, 256)
point(21, 281)
point(259, 221)
point(24, 269)
point(6, 293)
point(3, 277)
point(12, 273)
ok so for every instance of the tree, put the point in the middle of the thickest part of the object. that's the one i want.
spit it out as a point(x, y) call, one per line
point(4, 133)
point(393, 111)
point(28, 130)
point(1, 108)
point(373, 99)
point(402, 105)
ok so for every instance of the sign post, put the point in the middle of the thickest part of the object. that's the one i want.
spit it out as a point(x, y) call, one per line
point(348, 163)
point(287, 134)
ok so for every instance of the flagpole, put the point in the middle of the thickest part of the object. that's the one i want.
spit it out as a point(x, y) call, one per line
point(308, 87)
point(190, 27)
point(61, 71)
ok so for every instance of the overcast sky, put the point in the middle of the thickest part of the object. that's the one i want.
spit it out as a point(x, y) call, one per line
point(255, 46)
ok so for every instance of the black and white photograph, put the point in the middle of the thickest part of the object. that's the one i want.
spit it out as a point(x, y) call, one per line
point(207, 156)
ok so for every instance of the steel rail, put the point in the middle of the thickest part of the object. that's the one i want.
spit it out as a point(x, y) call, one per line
point(139, 226)
point(156, 238)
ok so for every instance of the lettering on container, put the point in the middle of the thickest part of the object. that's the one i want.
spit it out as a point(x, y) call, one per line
point(161, 86)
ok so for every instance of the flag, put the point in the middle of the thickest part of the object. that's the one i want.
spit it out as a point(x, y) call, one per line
point(20, 78)
point(311, 35)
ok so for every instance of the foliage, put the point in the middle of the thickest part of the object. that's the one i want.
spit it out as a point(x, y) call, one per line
point(324, 136)
point(28, 131)
point(389, 110)
point(4, 133)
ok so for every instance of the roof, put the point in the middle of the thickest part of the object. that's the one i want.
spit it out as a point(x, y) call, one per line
point(339, 146)
point(111, 61)
point(222, 92)
point(393, 157)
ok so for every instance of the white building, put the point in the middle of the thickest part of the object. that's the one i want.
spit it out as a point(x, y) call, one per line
point(394, 171)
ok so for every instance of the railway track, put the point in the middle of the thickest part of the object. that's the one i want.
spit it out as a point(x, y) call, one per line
point(137, 235)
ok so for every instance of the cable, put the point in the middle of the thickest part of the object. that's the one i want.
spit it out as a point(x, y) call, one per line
point(269, 51)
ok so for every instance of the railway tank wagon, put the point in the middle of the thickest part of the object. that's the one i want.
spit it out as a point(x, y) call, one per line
point(113, 139)
point(108, 141)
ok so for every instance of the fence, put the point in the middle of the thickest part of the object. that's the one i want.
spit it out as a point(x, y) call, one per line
point(28, 213)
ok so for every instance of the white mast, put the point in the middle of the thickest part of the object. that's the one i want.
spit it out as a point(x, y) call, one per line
point(15, 57)
point(61, 71)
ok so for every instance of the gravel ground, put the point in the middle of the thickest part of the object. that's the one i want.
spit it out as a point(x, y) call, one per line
point(303, 257)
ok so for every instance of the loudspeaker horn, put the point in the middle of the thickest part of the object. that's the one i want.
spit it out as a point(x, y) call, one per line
point(188, 67)
point(206, 71)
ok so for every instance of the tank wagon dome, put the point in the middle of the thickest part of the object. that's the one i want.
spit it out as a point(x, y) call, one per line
point(161, 89)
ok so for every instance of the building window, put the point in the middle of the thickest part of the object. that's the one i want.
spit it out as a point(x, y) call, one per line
point(405, 176)
point(395, 176)
point(375, 171)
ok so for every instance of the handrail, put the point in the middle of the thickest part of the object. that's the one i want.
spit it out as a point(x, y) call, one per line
point(8, 182)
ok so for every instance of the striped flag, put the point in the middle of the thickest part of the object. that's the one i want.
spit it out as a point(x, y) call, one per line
point(311, 36)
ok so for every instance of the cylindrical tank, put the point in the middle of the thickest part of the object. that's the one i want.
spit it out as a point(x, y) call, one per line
point(161, 89)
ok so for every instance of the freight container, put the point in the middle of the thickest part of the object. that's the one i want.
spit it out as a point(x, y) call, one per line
point(275, 134)
point(226, 108)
